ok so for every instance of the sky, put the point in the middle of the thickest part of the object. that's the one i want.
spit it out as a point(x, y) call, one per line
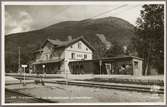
point(22, 18)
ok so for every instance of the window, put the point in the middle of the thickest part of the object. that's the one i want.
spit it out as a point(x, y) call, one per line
point(72, 55)
point(79, 45)
point(136, 65)
point(71, 46)
point(87, 49)
point(85, 56)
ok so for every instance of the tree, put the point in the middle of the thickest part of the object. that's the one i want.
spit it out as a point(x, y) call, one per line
point(100, 48)
point(115, 50)
point(149, 39)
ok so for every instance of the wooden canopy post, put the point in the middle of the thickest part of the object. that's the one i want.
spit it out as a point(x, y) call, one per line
point(100, 63)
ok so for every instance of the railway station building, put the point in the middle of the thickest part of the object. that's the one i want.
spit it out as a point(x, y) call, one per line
point(55, 55)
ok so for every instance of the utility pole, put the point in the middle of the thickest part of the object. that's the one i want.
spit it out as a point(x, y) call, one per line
point(19, 66)
point(19, 58)
point(66, 73)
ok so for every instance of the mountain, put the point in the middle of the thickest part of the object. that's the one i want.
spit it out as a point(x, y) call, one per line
point(112, 29)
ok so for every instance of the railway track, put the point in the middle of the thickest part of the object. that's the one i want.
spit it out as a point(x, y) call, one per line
point(114, 86)
point(128, 87)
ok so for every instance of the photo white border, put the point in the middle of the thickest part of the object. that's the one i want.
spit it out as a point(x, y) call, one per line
point(3, 3)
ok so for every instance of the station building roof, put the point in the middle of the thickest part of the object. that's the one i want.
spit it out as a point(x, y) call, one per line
point(64, 44)
point(120, 58)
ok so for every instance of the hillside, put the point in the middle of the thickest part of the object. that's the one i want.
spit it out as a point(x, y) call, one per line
point(113, 29)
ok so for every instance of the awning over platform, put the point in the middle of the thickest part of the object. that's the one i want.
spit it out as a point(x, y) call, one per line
point(48, 61)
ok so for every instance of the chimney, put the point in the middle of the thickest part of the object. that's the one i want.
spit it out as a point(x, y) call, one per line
point(69, 38)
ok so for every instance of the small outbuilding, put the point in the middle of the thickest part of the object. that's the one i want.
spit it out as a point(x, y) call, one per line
point(125, 65)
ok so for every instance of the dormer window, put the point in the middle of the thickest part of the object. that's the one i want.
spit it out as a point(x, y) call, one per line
point(79, 45)
point(47, 57)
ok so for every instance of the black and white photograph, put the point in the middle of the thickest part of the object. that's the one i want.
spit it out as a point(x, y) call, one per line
point(83, 53)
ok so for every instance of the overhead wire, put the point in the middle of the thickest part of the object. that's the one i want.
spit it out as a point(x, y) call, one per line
point(126, 10)
point(108, 11)
point(99, 14)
